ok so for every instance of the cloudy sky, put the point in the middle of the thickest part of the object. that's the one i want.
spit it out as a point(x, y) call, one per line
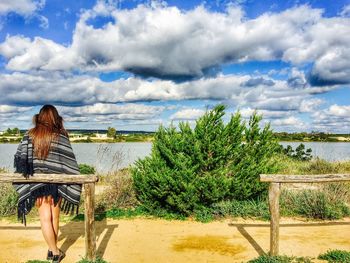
point(135, 64)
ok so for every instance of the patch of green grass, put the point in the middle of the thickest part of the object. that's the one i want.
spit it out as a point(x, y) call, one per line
point(336, 256)
point(254, 208)
point(98, 260)
point(125, 213)
point(86, 169)
point(280, 259)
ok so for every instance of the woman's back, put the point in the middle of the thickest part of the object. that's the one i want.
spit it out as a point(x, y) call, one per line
point(60, 159)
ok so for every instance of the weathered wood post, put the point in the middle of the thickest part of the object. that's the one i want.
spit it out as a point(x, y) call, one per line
point(90, 236)
point(274, 196)
point(275, 181)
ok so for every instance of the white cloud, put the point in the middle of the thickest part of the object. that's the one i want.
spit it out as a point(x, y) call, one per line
point(5, 109)
point(290, 121)
point(339, 111)
point(267, 114)
point(65, 89)
point(102, 112)
point(310, 105)
point(166, 42)
point(335, 118)
point(187, 114)
point(22, 7)
point(14, 46)
point(345, 11)
point(44, 22)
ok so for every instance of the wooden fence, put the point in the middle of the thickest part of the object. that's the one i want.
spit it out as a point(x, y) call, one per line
point(275, 181)
point(89, 188)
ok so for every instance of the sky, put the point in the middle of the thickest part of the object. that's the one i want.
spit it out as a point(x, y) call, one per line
point(134, 65)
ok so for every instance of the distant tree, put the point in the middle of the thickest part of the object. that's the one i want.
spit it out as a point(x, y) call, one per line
point(111, 132)
point(14, 131)
point(299, 153)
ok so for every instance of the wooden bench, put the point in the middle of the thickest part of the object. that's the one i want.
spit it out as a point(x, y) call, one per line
point(89, 188)
point(275, 181)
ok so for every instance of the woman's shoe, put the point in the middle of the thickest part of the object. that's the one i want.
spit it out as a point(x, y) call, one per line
point(58, 258)
point(49, 255)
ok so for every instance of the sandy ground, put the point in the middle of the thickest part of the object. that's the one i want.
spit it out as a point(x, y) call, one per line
point(155, 240)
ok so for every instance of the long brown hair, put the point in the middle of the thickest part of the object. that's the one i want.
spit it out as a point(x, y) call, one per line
point(48, 125)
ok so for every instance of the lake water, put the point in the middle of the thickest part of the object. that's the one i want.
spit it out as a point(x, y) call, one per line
point(109, 156)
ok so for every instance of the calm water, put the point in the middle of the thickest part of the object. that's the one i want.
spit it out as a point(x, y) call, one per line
point(118, 155)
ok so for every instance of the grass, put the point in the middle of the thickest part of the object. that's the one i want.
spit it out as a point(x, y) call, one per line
point(280, 259)
point(315, 166)
point(83, 260)
point(98, 260)
point(331, 256)
point(118, 200)
point(336, 256)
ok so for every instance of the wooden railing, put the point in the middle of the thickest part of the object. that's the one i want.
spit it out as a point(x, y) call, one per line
point(275, 181)
point(89, 188)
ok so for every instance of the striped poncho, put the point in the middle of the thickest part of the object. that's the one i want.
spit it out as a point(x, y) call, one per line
point(60, 159)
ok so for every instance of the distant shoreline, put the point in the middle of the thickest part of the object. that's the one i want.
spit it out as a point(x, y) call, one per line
point(150, 141)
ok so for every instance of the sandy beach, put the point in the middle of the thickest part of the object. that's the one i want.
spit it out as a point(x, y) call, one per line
point(156, 240)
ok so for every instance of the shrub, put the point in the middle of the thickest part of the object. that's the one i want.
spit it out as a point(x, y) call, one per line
point(86, 169)
point(120, 192)
point(327, 202)
point(194, 168)
point(336, 256)
point(299, 153)
point(9, 198)
point(279, 259)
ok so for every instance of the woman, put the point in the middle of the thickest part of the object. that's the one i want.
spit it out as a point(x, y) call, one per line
point(46, 149)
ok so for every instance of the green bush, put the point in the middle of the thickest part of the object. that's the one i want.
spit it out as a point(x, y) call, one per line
point(193, 168)
point(279, 259)
point(336, 256)
point(86, 169)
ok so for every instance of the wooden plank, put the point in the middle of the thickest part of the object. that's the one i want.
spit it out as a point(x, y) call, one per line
point(48, 178)
point(302, 178)
point(274, 196)
point(90, 235)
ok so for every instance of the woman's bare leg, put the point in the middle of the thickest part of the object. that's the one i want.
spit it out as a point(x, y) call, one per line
point(46, 225)
point(55, 211)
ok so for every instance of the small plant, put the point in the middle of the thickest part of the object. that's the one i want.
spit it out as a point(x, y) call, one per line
point(98, 260)
point(326, 202)
point(8, 200)
point(320, 166)
point(86, 169)
point(336, 256)
point(120, 192)
point(280, 259)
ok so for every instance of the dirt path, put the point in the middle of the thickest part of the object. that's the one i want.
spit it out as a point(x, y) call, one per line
point(153, 240)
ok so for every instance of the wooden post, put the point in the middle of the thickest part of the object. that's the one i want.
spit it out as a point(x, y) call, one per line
point(90, 235)
point(274, 196)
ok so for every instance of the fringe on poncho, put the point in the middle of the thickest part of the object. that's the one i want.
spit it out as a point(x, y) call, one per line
point(61, 159)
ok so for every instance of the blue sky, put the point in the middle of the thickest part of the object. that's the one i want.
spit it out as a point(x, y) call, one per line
point(136, 64)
